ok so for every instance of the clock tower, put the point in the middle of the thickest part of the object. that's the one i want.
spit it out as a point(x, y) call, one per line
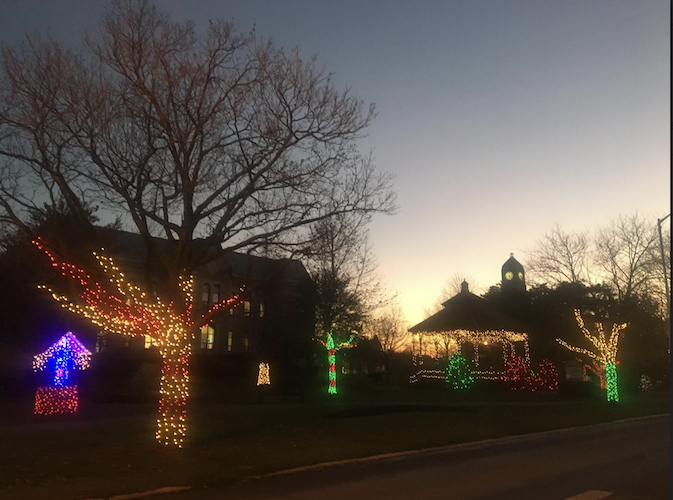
point(513, 276)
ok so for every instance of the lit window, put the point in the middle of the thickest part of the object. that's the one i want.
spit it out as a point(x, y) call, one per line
point(148, 341)
point(230, 341)
point(246, 343)
point(205, 294)
point(207, 337)
point(261, 310)
point(231, 311)
point(246, 308)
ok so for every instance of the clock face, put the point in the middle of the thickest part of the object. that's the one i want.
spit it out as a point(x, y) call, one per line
point(509, 275)
point(520, 275)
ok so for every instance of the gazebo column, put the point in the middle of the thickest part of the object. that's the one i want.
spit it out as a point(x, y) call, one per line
point(475, 346)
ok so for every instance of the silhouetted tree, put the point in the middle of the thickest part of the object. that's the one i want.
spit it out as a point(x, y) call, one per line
point(224, 138)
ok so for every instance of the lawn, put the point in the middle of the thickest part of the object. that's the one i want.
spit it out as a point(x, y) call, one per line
point(110, 449)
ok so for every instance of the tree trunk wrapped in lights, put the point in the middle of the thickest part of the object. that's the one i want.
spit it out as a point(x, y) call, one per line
point(607, 351)
point(123, 308)
point(332, 349)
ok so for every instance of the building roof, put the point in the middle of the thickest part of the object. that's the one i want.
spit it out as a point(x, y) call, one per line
point(466, 311)
point(130, 246)
point(512, 263)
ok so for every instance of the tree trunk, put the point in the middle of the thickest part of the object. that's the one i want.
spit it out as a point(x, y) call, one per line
point(611, 382)
point(174, 392)
point(331, 358)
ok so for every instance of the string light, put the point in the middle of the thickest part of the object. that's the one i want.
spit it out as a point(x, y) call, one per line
point(458, 373)
point(546, 377)
point(597, 369)
point(131, 312)
point(476, 338)
point(332, 348)
point(263, 375)
point(607, 351)
point(56, 400)
point(431, 374)
point(517, 374)
point(487, 374)
point(64, 355)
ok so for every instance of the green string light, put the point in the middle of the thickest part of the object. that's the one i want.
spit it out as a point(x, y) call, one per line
point(332, 348)
point(611, 382)
point(458, 373)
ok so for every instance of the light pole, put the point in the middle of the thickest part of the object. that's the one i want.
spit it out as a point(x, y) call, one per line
point(668, 294)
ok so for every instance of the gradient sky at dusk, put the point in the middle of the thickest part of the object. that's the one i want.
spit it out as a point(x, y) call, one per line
point(498, 118)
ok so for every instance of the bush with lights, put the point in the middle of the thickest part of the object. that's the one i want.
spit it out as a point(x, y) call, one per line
point(458, 373)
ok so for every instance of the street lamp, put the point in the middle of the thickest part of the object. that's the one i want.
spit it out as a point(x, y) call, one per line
point(668, 294)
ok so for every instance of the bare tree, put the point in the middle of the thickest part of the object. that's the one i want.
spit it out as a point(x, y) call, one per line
point(227, 139)
point(390, 327)
point(344, 271)
point(560, 257)
point(223, 137)
point(624, 255)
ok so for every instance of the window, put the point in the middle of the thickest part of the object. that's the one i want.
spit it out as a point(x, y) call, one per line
point(261, 310)
point(216, 294)
point(230, 341)
point(246, 343)
point(246, 308)
point(231, 311)
point(207, 337)
point(205, 294)
point(148, 341)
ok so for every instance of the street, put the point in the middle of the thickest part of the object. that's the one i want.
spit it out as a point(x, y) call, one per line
point(623, 460)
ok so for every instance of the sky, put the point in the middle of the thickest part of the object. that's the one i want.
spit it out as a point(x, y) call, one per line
point(497, 118)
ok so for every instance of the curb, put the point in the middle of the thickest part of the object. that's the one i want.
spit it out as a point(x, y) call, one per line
point(448, 448)
point(141, 494)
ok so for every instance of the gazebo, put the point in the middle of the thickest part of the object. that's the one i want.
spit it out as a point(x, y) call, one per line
point(469, 319)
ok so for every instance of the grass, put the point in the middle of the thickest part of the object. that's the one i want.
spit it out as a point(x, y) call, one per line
point(110, 449)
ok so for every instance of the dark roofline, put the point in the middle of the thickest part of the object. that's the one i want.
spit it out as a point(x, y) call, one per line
point(130, 246)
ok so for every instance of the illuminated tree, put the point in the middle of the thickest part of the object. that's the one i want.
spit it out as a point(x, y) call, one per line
point(332, 349)
point(207, 143)
point(607, 351)
point(458, 373)
point(122, 308)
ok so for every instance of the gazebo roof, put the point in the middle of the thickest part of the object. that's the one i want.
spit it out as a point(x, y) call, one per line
point(466, 311)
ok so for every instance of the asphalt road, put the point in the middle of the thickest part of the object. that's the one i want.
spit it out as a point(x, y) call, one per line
point(623, 460)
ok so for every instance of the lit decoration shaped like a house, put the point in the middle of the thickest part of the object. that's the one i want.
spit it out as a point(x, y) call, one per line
point(65, 355)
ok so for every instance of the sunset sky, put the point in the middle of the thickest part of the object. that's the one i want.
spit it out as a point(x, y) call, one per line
point(498, 118)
